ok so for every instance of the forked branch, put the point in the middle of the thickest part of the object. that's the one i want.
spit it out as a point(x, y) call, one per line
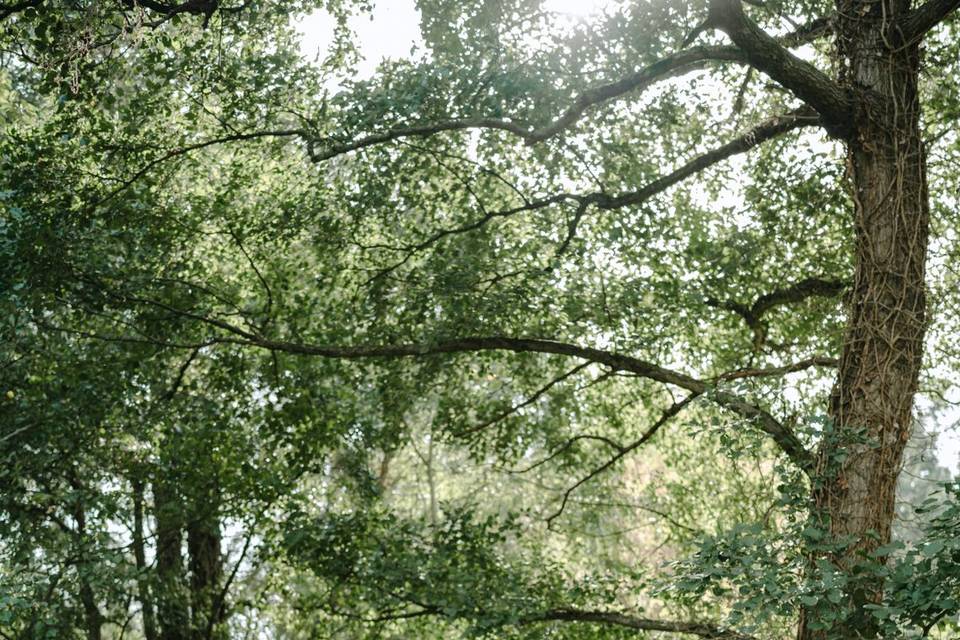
point(622, 452)
point(781, 435)
point(799, 291)
point(772, 128)
point(669, 67)
point(801, 78)
point(766, 131)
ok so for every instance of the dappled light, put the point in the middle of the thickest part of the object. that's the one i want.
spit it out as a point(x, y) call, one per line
point(512, 319)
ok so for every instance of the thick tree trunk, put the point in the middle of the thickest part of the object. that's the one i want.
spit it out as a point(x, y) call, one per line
point(872, 401)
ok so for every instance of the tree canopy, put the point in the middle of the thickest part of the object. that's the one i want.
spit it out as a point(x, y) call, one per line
point(604, 328)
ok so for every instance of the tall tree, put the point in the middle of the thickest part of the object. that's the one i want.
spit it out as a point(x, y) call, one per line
point(525, 242)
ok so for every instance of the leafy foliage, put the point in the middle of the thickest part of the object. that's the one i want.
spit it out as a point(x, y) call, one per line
point(247, 304)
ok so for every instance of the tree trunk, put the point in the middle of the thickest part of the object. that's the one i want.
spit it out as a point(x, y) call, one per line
point(92, 617)
point(872, 401)
point(172, 608)
point(206, 565)
point(139, 554)
point(91, 612)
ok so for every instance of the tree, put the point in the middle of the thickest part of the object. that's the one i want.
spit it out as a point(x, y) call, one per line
point(522, 246)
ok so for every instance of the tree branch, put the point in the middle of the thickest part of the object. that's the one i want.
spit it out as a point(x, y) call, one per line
point(566, 446)
point(797, 292)
point(777, 126)
point(184, 150)
point(784, 438)
point(816, 361)
point(669, 413)
point(181, 372)
point(701, 629)
point(205, 8)
point(804, 80)
point(672, 66)
point(816, 28)
point(766, 131)
point(526, 403)
point(918, 22)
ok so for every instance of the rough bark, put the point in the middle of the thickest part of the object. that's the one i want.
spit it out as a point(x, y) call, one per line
point(872, 401)
point(206, 565)
point(172, 609)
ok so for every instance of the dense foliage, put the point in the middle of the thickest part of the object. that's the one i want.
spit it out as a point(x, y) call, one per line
point(529, 335)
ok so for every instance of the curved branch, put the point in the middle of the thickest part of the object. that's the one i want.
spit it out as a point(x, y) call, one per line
point(701, 629)
point(669, 67)
point(526, 403)
point(816, 28)
point(180, 151)
point(816, 361)
point(772, 128)
point(566, 445)
point(784, 438)
point(781, 435)
point(205, 8)
point(672, 66)
point(796, 292)
point(669, 413)
point(765, 53)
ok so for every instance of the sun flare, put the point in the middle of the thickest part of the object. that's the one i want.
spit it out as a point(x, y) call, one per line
point(576, 8)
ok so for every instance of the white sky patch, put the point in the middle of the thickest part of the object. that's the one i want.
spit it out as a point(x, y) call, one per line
point(944, 424)
point(948, 444)
point(393, 29)
point(388, 33)
point(392, 32)
point(576, 8)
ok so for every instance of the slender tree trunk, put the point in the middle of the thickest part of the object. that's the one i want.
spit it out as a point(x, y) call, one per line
point(139, 554)
point(172, 607)
point(872, 401)
point(93, 619)
point(91, 612)
point(206, 565)
point(432, 483)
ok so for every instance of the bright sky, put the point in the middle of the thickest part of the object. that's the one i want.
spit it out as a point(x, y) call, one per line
point(394, 29)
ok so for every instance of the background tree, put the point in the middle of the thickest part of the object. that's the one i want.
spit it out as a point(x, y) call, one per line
point(297, 354)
